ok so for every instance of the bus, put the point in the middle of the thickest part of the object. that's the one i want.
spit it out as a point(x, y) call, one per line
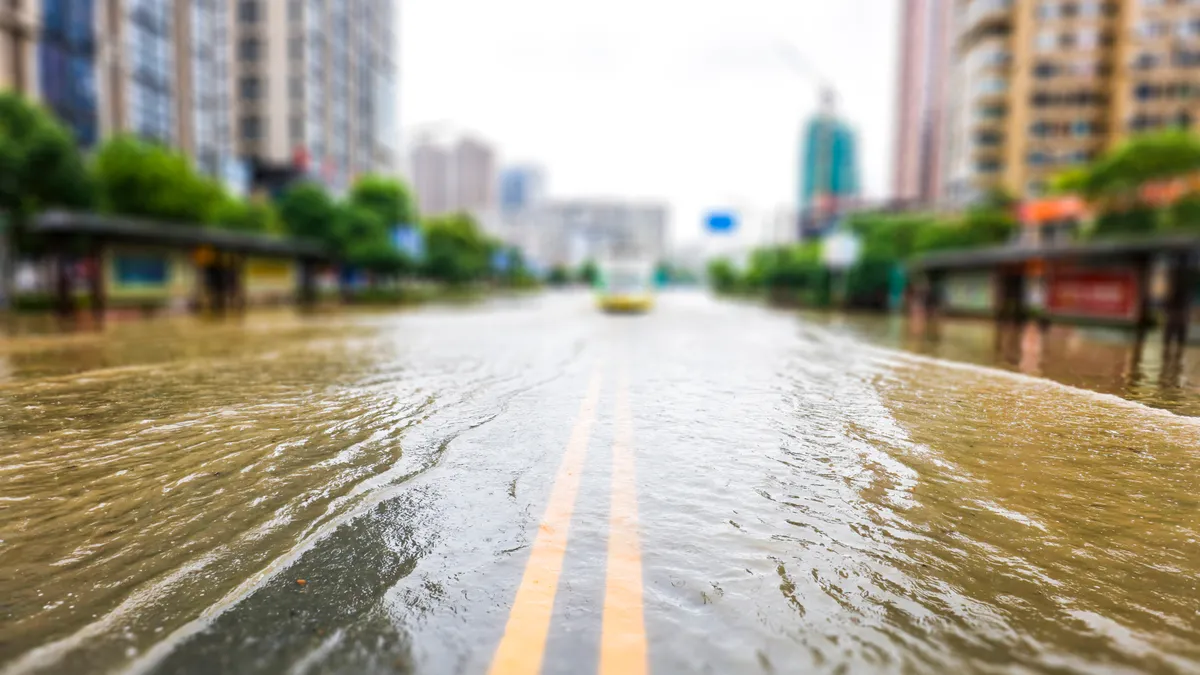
point(625, 286)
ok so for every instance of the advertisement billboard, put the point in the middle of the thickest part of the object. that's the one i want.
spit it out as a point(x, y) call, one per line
point(1095, 293)
point(970, 293)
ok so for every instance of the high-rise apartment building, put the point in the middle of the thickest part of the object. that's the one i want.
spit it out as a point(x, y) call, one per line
point(19, 22)
point(66, 65)
point(431, 177)
point(475, 175)
point(828, 163)
point(924, 66)
point(315, 84)
point(1040, 86)
point(291, 86)
point(521, 187)
point(204, 88)
point(454, 176)
point(138, 68)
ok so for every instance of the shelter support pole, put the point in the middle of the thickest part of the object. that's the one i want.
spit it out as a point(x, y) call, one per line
point(1181, 285)
point(308, 283)
point(1142, 315)
point(64, 288)
point(96, 281)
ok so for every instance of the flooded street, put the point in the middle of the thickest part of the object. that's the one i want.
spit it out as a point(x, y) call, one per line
point(506, 485)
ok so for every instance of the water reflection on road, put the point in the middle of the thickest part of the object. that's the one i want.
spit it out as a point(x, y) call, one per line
point(1119, 361)
point(810, 499)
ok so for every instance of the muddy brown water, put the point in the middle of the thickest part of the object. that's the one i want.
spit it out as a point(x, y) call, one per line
point(816, 493)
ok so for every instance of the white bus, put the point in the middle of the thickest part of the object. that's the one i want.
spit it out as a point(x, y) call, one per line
point(625, 286)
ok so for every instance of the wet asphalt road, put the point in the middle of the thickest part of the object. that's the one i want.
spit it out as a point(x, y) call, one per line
point(531, 485)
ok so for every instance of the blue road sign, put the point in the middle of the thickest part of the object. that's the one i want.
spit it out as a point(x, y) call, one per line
point(408, 239)
point(500, 260)
point(721, 222)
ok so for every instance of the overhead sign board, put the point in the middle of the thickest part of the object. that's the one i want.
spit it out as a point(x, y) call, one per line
point(721, 222)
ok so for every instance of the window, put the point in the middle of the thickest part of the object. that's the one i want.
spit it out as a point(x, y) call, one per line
point(1047, 10)
point(1147, 61)
point(1038, 158)
point(249, 49)
point(251, 128)
point(1047, 40)
point(296, 48)
point(989, 139)
point(1045, 69)
point(1081, 128)
point(296, 129)
point(992, 112)
point(1089, 9)
point(1087, 38)
point(295, 10)
point(1152, 29)
point(249, 88)
point(248, 11)
point(296, 87)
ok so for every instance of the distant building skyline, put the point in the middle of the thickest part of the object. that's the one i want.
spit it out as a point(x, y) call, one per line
point(925, 46)
point(458, 175)
point(521, 187)
point(571, 231)
point(828, 162)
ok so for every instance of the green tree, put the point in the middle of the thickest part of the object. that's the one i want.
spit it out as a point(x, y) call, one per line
point(1185, 214)
point(558, 276)
point(588, 273)
point(254, 215)
point(363, 241)
point(387, 198)
point(722, 275)
point(456, 252)
point(40, 167)
point(1142, 159)
point(143, 179)
point(309, 212)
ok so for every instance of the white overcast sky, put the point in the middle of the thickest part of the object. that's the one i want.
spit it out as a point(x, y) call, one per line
point(688, 102)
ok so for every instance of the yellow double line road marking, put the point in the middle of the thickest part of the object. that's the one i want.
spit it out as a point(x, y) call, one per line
point(524, 643)
point(623, 641)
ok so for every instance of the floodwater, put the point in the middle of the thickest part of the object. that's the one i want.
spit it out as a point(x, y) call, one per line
point(529, 483)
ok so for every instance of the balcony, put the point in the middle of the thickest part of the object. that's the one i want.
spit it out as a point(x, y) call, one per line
point(981, 14)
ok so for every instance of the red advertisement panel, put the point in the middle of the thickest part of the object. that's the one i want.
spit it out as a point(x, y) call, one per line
point(1096, 293)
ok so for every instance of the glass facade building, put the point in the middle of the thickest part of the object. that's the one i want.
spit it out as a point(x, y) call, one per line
point(212, 142)
point(67, 65)
point(151, 58)
point(829, 161)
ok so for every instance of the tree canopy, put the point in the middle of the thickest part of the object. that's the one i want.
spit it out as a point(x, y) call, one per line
point(140, 178)
point(456, 251)
point(387, 198)
point(40, 167)
point(309, 212)
point(1150, 157)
